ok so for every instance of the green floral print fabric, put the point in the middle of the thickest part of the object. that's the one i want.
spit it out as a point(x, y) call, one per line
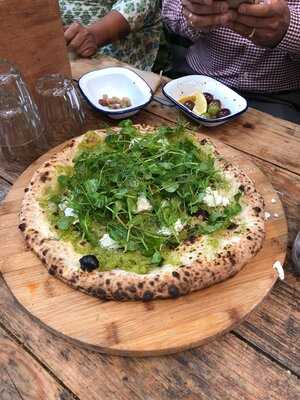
point(141, 46)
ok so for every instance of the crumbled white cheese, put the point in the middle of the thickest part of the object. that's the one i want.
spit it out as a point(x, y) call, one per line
point(276, 215)
point(178, 226)
point(69, 212)
point(278, 268)
point(214, 199)
point(108, 243)
point(164, 231)
point(273, 201)
point(143, 204)
point(267, 215)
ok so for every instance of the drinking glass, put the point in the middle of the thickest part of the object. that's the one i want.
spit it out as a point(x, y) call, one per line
point(11, 81)
point(61, 108)
point(21, 132)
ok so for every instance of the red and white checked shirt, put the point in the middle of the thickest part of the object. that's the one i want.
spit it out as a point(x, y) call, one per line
point(235, 60)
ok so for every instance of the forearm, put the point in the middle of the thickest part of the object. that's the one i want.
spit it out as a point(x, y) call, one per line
point(291, 41)
point(172, 14)
point(111, 28)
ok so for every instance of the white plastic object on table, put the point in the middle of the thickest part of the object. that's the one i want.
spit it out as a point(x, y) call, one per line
point(119, 82)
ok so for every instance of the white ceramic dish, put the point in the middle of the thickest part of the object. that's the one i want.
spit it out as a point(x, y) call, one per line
point(187, 85)
point(119, 82)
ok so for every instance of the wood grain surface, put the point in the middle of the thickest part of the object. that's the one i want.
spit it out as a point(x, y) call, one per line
point(32, 38)
point(136, 328)
point(258, 361)
point(22, 377)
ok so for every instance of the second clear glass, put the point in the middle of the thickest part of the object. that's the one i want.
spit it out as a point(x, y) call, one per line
point(61, 108)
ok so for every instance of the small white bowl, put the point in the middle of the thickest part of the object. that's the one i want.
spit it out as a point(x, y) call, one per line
point(187, 85)
point(119, 82)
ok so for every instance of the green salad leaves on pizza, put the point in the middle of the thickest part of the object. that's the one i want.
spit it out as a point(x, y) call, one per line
point(131, 198)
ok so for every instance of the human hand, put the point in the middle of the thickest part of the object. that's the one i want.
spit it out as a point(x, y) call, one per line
point(80, 40)
point(265, 24)
point(206, 14)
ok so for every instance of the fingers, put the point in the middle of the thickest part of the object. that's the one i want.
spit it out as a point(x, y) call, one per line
point(267, 9)
point(259, 36)
point(204, 21)
point(241, 29)
point(265, 24)
point(202, 14)
point(79, 39)
point(72, 31)
point(88, 52)
point(218, 7)
point(203, 2)
point(253, 22)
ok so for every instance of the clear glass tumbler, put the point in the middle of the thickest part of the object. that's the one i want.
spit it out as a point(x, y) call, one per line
point(11, 82)
point(61, 108)
point(22, 137)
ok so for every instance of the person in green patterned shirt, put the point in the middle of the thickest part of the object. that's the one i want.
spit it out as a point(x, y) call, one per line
point(129, 30)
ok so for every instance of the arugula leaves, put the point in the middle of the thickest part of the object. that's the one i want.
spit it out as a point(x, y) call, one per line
point(167, 167)
point(220, 218)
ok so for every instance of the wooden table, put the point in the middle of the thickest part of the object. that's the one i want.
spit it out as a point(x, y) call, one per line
point(259, 360)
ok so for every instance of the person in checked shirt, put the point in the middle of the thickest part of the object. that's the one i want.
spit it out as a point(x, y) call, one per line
point(255, 48)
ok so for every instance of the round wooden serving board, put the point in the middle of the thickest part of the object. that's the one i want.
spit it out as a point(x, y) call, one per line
point(137, 328)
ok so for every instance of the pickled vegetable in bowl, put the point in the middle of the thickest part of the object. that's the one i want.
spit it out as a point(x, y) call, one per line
point(204, 105)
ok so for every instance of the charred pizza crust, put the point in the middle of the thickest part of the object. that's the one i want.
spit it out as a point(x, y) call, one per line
point(196, 272)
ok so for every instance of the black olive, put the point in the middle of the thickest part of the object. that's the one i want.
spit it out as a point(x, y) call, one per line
point(89, 263)
point(189, 104)
point(223, 113)
point(209, 97)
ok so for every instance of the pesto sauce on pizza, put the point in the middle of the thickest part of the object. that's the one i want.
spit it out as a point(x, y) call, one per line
point(130, 198)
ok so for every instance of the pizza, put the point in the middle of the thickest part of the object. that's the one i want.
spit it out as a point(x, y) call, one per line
point(140, 213)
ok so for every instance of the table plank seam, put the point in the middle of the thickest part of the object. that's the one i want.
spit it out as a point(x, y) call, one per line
point(15, 339)
point(6, 180)
point(6, 177)
point(265, 354)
